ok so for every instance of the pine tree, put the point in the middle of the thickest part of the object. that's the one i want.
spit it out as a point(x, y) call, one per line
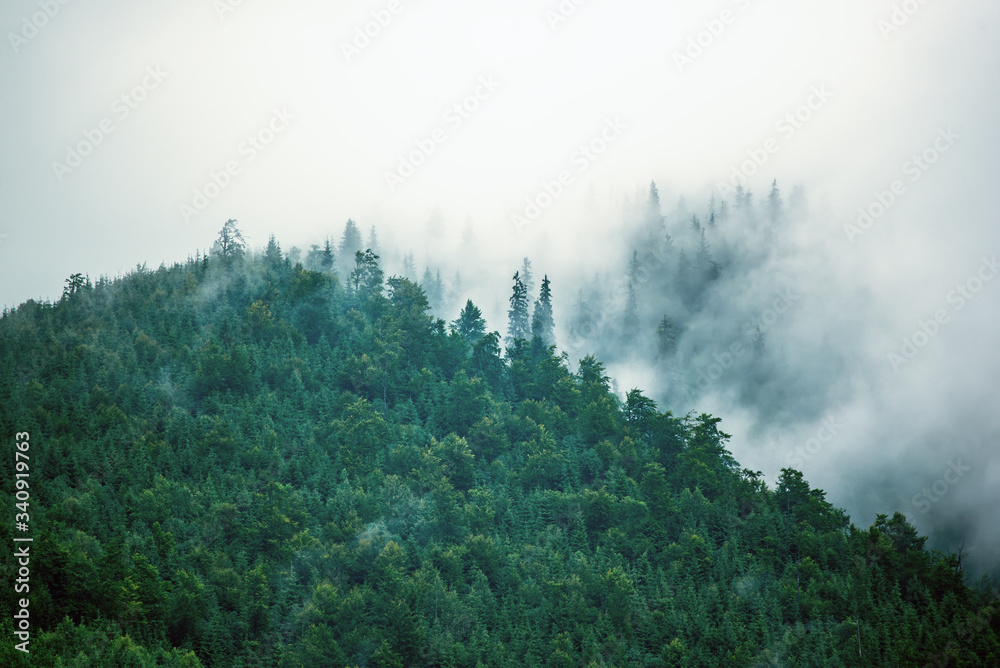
point(350, 243)
point(666, 340)
point(774, 202)
point(230, 244)
point(706, 267)
point(328, 256)
point(470, 323)
point(653, 214)
point(432, 286)
point(696, 224)
point(440, 289)
point(409, 267)
point(373, 244)
point(367, 275)
point(272, 253)
point(518, 323)
point(542, 322)
point(526, 277)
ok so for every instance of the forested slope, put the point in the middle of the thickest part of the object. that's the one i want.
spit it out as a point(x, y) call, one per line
point(237, 461)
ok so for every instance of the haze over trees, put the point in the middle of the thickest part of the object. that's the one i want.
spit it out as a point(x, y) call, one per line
point(245, 459)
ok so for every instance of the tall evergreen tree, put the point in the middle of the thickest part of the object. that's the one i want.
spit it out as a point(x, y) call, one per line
point(470, 323)
point(527, 277)
point(518, 321)
point(409, 267)
point(367, 275)
point(666, 339)
point(653, 213)
point(272, 253)
point(230, 244)
point(433, 288)
point(542, 322)
point(774, 202)
point(350, 243)
point(373, 244)
point(328, 255)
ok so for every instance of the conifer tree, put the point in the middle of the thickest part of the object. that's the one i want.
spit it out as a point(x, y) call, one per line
point(470, 323)
point(373, 244)
point(666, 340)
point(518, 322)
point(526, 277)
point(432, 286)
point(326, 262)
point(409, 267)
point(272, 253)
point(774, 202)
point(542, 322)
point(230, 244)
point(350, 243)
point(653, 214)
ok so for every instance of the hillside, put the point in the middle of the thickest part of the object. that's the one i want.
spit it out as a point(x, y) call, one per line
point(238, 461)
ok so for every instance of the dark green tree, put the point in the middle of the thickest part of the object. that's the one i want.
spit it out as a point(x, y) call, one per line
point(518, 321)
point(470, 323)
point(542, 322)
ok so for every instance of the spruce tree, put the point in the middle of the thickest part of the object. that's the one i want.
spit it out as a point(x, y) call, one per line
point(518, 323)
point(350, 243)
point(409, 267)
point(526, 277)
point(542, 322)
point(774, 202)
point(666, 340)
point(373, 244)
point(470, 323)
point(653, 213)
point(230, 244)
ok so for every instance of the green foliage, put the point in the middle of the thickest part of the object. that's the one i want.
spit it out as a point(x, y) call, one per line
point(243, 462)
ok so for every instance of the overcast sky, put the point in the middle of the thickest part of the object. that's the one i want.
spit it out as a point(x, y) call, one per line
point(132, 130)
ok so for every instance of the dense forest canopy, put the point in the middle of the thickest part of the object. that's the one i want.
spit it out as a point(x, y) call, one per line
point(260, 458)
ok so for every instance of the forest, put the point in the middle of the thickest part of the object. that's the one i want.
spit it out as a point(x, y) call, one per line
point(270, 458)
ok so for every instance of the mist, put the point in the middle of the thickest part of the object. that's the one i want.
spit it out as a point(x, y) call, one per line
point(476, 136)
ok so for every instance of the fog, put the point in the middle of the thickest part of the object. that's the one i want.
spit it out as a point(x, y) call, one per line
point(474, 135)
